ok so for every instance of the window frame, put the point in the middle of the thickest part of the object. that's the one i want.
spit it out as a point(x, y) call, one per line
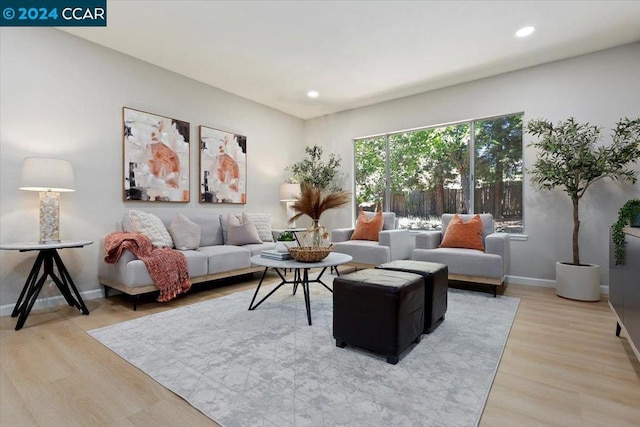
point(472, 155)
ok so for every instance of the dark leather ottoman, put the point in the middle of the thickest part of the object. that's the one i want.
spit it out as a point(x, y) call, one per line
point(379, 310)
point(435, 292)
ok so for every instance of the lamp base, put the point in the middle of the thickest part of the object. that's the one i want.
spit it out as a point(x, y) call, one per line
point(290, 213)
point(49, 217)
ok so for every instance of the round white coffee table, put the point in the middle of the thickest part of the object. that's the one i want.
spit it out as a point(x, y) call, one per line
point(300, 275)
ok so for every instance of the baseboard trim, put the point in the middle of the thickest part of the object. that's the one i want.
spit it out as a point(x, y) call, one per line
point(543, 283)
point(531, 281)
point(45, 302)
point(49, 302)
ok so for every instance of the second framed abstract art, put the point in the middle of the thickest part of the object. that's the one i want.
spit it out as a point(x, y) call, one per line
point(223, 166)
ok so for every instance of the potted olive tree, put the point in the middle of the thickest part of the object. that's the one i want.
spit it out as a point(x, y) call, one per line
point(569, 157)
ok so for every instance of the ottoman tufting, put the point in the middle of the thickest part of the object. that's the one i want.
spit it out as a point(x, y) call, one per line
point(436, 284)
point(379, 310)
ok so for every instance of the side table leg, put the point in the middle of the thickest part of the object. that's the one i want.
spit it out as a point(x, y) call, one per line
point(29, 284)
point(68, 282)
point(31, 297)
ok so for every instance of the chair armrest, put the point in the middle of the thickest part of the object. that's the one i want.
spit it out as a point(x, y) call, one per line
point(428, 239)
point(341, 234)
point(499, 244)
point(400, 243)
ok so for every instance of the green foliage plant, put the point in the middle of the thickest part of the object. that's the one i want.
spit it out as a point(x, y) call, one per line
point(569, 157)
point(314, 172)
point(286, 236)
point(626, 214)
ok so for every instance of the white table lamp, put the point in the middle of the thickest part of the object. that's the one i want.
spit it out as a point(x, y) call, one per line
point(50, 177)
point(289, 193)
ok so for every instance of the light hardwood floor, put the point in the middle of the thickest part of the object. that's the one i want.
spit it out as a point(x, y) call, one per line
point(563, 365)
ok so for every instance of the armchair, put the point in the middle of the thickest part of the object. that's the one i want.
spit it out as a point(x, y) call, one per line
point(468, 265)
point(392, 244)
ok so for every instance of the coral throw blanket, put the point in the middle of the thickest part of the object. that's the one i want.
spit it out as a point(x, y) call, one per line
point(167, 268)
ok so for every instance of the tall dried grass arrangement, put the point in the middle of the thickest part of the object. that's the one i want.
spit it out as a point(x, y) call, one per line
point(313, 202)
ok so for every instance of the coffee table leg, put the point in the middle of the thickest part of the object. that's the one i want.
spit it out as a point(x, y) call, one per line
point(296, 279)
point(253, 307)
point(264, 273)
point(321, 282)
point(307, 296)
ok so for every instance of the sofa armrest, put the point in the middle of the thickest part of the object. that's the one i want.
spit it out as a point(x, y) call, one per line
point(341, 234)
point(117, 271)
point(428, 239)
point(499, 244)
point(400, 242)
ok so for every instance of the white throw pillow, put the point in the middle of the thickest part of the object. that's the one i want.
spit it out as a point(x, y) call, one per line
point(241, 232)
point(185, 233)
point(263, 225)
point(152, 227)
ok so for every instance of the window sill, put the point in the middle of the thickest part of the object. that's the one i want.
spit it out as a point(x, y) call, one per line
point(518, 237)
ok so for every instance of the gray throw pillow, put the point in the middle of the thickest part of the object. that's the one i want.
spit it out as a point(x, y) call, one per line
point(241, 232)
point(185, 233)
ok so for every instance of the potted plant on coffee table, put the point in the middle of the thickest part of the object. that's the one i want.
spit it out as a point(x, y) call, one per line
point(285, 240)
point(569, 157)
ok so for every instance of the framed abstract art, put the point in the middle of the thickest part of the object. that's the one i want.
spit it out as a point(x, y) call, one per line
point(156, 157)
point(223, 166)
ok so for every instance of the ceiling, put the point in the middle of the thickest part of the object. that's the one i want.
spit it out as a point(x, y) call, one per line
point(355, 53)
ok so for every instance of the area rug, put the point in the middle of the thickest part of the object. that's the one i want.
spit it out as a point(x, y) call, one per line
point(268, 367)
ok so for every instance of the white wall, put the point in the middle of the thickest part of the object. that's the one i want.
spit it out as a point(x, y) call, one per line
point(62, 96)
point(598, 88)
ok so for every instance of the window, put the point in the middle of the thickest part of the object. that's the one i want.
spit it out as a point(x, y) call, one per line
point(421, 174)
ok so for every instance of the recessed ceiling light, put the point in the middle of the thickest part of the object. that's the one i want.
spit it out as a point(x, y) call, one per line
point(525, 31)
point(313, 94)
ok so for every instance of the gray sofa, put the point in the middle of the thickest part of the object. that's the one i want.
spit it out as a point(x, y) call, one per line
point(469, 265)
point(212, 260)
point(393, 243)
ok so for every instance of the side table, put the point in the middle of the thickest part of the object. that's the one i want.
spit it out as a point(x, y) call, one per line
point(293, 231)
point(46, 259)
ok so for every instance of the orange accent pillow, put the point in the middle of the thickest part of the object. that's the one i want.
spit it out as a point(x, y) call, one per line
point(368, 228)
point(460, 234)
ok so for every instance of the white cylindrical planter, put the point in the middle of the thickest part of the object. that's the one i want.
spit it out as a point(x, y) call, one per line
point(578, 282)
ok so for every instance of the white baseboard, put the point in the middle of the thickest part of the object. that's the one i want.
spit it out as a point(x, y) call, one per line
point(544, 283)
point(48, 302)
point(531, 281)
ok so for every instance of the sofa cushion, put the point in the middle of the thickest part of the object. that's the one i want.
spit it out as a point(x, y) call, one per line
point(368, 228)
point(256, 248)
point(185, 233)
point(209, 222)
point(241, 231)
point(263, 225)
point(461, 234)
point(469, 262)
point(136, 274)
point(151, 226)
point(226, 258)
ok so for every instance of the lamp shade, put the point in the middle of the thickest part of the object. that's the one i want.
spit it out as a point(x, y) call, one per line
point(45, 174)
point(289, 192)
